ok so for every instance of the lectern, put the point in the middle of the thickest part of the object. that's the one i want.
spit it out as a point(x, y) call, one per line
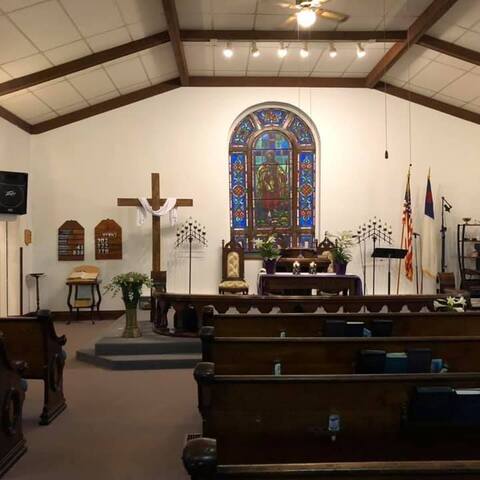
point(397, 253)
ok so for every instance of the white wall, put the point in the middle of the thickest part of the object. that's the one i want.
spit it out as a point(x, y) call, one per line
point(81, 169)
point(14, 156)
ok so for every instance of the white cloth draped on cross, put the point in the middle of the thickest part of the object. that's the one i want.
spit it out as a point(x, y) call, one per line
point(168, 207)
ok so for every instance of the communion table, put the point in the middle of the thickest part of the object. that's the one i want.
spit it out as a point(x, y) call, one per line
point(286, 283)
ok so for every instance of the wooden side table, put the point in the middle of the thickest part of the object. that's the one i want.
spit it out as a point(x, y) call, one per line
point(79, 303)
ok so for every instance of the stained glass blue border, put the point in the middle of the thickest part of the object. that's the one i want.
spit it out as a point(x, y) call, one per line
point(238, 190)
point(306, 189)
point(271, 117)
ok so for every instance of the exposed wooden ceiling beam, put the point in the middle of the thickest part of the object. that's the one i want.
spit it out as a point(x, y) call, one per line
point(105, 106)
point(450, 49)
point(291, 35)
point(171, 16)
point(82, 63)
point(307, 82)
point(422, 24)
point(10, 117)
point(429, 102)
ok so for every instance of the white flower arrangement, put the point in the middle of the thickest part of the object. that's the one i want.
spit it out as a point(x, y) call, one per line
point(450, 304)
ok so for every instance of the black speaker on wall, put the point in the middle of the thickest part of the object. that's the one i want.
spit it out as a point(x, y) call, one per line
point(13, 192)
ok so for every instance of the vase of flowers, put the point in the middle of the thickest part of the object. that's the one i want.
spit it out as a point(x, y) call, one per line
point(130, 285)
point(341, 253)
point(269, 251)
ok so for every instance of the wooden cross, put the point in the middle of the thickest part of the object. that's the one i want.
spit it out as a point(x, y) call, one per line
point(156, 202)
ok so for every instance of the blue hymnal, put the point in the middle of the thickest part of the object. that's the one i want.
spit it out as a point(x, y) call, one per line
point(382, 328)
point(396, 362)
point(355, 329)
point(467, 407)
point(432, 404)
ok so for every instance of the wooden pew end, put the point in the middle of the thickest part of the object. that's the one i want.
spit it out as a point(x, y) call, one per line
point(200, 458)
point(204, 372)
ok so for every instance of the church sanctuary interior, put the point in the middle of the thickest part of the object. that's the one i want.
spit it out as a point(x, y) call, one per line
point(239, 239)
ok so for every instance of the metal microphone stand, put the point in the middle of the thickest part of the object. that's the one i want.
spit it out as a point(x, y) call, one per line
point(446, 207)
point(415, 248)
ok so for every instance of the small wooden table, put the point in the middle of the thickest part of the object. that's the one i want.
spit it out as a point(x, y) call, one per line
point(79, 303)
point(283, 283)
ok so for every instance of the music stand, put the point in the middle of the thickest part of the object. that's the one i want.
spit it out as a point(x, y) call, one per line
point(397, 253)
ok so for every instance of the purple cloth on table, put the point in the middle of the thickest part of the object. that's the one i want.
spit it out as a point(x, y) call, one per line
point(357, 280)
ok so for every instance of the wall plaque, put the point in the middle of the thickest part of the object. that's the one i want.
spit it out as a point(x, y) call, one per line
point(108, 240)
point(71, 241)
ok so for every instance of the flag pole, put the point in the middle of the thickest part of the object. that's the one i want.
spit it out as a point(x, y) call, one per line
point(403, 232)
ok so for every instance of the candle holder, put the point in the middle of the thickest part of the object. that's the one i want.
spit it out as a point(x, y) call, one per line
point(377, 231)
point(189, 232)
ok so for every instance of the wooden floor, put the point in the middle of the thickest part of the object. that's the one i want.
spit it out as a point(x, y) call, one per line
point(118, 425)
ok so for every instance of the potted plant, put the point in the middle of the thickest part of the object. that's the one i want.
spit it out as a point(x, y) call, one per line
point(130, 285)
point(341, 253)
point(270, 251)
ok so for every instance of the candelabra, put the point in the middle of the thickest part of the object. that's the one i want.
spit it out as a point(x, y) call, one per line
point(189, 232)
point(377, 231)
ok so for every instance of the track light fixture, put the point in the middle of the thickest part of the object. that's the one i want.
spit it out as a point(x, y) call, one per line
point(304, 53)
point(332, 52)
point(360, 51)
point(228, 51)
point(255, 50)
point(282, 51)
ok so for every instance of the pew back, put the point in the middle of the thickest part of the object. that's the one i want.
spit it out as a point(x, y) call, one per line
point(268, 419)
point(405, 324)
point(31, 339)
point(328, 355)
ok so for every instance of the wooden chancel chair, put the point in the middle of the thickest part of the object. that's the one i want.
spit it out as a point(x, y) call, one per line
point(233, 268)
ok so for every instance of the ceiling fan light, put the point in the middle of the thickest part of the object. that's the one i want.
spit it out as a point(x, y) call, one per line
point(304, 53)
point(282, 51)
point(228, 51)
point(360, 51)
point(332, 51)
point(306, 17)
point(255, 50)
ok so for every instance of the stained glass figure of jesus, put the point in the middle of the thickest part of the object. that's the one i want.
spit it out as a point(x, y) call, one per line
point(272, 182)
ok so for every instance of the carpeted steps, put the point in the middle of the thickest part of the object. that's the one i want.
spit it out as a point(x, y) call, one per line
point(148, 352)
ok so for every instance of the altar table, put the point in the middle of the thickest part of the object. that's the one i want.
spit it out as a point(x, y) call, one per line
point(281, 283)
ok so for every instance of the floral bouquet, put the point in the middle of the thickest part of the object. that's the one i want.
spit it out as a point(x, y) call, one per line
point(130, 284)
point(450, 304)
point(268, 249)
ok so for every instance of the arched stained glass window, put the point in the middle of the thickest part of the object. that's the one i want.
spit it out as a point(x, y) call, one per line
point(272, 178)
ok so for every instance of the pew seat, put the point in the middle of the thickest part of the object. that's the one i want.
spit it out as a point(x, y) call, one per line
point(12, 396)
point(33, 339)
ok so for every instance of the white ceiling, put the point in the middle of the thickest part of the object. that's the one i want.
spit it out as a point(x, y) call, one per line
point(37, 34)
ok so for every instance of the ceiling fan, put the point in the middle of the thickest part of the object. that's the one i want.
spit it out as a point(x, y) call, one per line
point(307, 12)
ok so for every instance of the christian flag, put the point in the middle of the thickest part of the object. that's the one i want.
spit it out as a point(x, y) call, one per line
point(408, 230)
point(429, 243)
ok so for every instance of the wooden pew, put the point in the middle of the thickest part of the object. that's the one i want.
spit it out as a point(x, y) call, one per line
point(34, 340)
point(266, 422)
point(163, 302)
point(12, 395)
point(405, 324)
point(326, 355)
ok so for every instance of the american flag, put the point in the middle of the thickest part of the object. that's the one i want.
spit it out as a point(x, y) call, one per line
point(408, 230)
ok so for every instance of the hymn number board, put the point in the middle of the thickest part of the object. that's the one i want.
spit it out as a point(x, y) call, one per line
point(71, 241)
point(108, 240)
